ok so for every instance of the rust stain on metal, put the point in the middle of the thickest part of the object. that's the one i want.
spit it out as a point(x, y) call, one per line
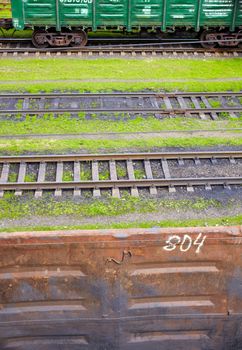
point(122, 289)
point(125, 254)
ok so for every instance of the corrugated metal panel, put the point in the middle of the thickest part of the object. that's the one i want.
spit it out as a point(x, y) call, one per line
point(111, 12)
point(239, 14)
point(181, 12)
point(143, 11)
point(132, 289)
point(41, 12)
point(76, 13)
point(217, 12)
point(129, 13)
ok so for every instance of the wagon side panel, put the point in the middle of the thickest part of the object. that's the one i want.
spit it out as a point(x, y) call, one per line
point(217, 12)
point(182, 13)
point(146, 12)
point(75, 13)
point(18, 14)
point(111, 13)
point(40, 13)
point(238, 17)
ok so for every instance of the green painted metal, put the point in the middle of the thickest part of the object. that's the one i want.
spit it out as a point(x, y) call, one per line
point(94, 24)
point(237, 14)
point(131, 14)
point(199, 7)
point(17, 14)
point(129, 27)
point(58, 25)
point(164, 15)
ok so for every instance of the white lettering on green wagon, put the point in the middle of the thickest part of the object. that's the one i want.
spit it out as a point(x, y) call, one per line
point(76, 1)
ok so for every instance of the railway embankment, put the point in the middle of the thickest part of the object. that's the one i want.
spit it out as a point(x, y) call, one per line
point(62, 106)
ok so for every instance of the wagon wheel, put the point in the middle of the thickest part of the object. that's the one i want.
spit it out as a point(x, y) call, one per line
point(80, 40)
point(207, 39)
point(38, 39)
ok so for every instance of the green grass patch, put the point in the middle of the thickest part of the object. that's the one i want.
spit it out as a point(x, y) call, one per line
point(109, 86)
point(5, 12)
point(220, 221)
point(224, 115)
point(12, 207)
point(12, 177)
point(34, 74)
point(64, 124)
point(76, 145)
point(214, 103)
point(139, 174)
point(85, 174)
point(121, 171)
point(104, 175)
point(150, 68)
point(12, 33)
point(30, 178)
point(67, 176)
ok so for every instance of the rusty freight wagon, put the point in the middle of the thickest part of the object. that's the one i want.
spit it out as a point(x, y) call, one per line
point(156, 289)
point(66, 22)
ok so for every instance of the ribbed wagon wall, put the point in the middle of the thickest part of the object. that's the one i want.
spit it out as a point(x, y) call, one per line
point(122, 289)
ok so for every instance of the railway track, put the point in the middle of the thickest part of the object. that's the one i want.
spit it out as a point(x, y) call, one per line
point(134, 172)
point(203, 105)
point(15, 47)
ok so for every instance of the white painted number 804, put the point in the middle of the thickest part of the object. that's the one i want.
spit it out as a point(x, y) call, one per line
point(185, 243)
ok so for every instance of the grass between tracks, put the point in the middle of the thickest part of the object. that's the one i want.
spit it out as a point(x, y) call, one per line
point(109, 208)
point(18, 146)
point(49, 124)
point(222, 221)
point(39, 74)
point(13, 207)
point(43, 74)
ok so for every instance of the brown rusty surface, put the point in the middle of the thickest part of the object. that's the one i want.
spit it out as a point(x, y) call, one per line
point(158, 289)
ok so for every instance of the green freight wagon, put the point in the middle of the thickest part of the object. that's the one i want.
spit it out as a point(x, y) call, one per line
point(66, 22)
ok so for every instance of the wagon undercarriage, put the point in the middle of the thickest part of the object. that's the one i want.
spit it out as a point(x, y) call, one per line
point(43, 39)
point(76, 38)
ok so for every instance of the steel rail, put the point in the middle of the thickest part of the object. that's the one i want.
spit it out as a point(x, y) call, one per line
point(151, 41)
point(121, 183)
point(121, 49)
point(14, 40)
point(124, 110)
point(119, 94)
point(90, 49)
point(93, 39)
point(113, 183)
point(120, 156)
point(157, 41)
point(153, 44)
